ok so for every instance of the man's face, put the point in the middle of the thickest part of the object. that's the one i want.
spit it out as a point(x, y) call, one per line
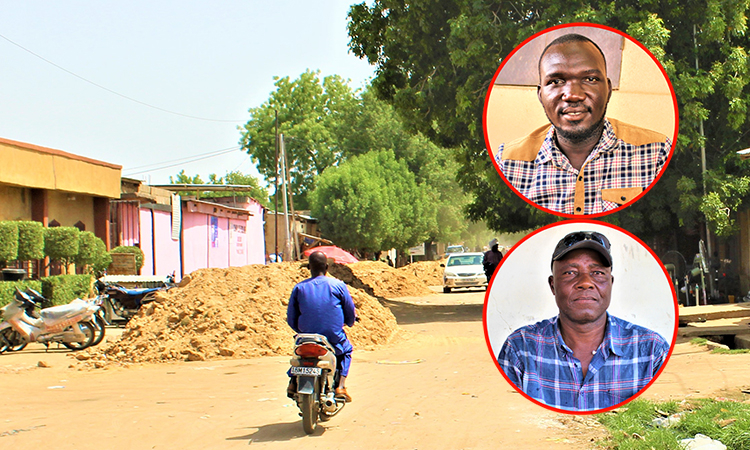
point(582, 286)
point(574, 89)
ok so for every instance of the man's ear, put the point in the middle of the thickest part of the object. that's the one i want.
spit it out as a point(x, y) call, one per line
point(613, 281)
point(609, 85)
point(539, 92)
point(551, 281)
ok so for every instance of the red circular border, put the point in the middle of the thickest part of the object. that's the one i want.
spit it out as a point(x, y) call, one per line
point(492, 84)
point(487, 336)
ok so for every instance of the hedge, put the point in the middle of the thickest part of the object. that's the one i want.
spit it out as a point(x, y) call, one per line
point(134, 250)
point(62, 289)
point(92, 252)
point(8, 241)
point(8, 289)
point(30, 240)
point(61, 243)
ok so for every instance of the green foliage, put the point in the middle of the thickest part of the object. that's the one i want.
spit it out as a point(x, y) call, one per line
point(92, 252)
point(698, 341)
point(254, 189)
point(61, 243)
point(372, 202)
point(8, 289)
point(8, 241)
point(435, 59)
point(62, 289)
point(311, 115)
point(30, 240)
point(726, 421)
point(139, 257)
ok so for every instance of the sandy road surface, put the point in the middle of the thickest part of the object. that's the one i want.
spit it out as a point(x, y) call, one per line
point(438, 389)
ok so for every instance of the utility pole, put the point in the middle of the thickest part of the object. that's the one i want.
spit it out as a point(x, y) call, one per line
point(287, 242)
point(276, 190)
point(291, 205)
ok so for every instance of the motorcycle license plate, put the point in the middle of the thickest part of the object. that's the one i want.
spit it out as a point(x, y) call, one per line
point(312, 371)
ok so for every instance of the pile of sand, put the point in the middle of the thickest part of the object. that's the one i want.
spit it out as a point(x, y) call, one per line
point(381, 280)
point(427, 272)
point(238, 312)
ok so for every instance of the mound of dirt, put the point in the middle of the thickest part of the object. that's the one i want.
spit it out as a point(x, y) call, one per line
point(238, 312)
point(380, 280)
point(428, 272)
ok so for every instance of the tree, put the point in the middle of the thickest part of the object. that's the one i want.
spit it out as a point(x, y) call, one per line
point(61, 244)
point(8, 242)
point(92, 253)
point(372, 202)
point(311, 115)
point(435, 60)
point(30, 240)
point(254, 188)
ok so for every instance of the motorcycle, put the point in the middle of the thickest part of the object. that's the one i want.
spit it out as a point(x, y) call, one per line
point(120, 303)
point(70, 325)
point(314, 368)
point(98, 322)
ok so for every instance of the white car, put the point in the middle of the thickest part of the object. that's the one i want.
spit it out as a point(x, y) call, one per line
point(464, 270)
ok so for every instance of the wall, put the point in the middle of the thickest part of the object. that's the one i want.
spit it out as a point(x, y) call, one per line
point(15, 203)
point(71, 208)
point(38, 167)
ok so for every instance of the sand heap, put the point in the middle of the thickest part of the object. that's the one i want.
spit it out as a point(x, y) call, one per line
point(427, 272)
point(381, 280)
point(237, 312)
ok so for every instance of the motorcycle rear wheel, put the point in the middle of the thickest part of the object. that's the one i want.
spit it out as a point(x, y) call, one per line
point(309, 415)
point(88, 331)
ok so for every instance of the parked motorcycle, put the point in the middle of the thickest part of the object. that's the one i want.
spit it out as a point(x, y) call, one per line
point(70, 325)
point(314, 367)
point(98, 322)
point(120, 303)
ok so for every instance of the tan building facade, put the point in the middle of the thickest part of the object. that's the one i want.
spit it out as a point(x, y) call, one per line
point(56, 188)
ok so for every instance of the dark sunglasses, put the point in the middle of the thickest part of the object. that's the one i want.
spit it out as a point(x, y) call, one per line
point(580, 236)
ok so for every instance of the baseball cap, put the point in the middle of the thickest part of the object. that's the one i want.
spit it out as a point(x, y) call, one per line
point(583, 239)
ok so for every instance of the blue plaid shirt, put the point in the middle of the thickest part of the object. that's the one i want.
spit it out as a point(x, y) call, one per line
point(536, 359)
point(615, 172)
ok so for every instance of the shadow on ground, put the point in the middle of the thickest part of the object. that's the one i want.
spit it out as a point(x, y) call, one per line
point(408, 313)
point(278, 432)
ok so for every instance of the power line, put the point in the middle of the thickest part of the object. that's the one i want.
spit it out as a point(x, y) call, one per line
point(184, 162)
point(114, 92)
point(213, 152)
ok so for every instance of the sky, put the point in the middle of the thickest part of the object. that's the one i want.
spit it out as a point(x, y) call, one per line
point(93, 77)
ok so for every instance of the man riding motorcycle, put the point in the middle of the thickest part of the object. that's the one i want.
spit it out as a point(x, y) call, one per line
point(323, 305)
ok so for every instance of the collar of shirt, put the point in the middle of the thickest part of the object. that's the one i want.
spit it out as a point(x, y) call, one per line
point(551, 152)
point(609, 344)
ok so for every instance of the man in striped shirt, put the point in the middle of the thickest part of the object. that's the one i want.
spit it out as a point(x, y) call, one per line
point(584, 163)
point(583, 359)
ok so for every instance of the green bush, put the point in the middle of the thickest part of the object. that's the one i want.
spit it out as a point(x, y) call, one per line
point(92, 252)
point(61, 243)
point(62, 289)
point(30, 240)
point(8, 288)
point(130, 249)
point(8, 241)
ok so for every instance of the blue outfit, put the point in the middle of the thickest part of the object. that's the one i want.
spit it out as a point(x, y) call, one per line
point(323, 305)
point(536, 359)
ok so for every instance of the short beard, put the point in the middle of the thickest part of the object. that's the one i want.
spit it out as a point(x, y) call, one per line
point(580, 136)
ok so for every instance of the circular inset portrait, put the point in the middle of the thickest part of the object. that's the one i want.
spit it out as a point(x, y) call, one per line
point(580, 119)
point(580, 317)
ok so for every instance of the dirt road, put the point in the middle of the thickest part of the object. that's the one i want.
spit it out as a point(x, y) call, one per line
point(436, 389)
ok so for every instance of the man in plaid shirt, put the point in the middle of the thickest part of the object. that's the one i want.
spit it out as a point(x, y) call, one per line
point(584, 163)
point(583, 359)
